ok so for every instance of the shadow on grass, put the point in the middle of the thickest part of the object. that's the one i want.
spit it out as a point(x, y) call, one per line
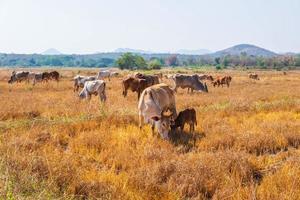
point(185, 139)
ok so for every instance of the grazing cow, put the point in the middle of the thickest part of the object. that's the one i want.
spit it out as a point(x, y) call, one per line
point(18, 77)
point(104, 74)
point(188, 116)
point(54, 75)
point(189, 81)
point(96, 87)
point(157, 107)
point(80, 80)
point(222, 81)
point(253, 76)
point(284, 73)
point(135, 84)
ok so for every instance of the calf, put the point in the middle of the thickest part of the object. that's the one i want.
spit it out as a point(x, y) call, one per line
point(188, 116)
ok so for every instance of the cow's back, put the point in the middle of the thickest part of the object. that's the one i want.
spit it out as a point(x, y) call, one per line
point(160, 96)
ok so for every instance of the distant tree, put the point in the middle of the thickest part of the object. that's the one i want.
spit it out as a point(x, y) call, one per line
point(172, 61)
point(154, 64)
point(130, 61)
point(126, 61)
point(225, 61)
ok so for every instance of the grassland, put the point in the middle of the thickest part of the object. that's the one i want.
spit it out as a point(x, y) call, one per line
point(53, 146)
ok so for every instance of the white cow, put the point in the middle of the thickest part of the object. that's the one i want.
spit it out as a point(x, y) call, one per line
point(79, 81)
point(157, 107)
point(96, 87)
point(104, 74)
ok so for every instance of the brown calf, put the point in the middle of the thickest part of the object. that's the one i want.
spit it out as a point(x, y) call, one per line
point(187, 116)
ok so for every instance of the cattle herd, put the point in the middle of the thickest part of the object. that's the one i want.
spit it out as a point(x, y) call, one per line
point(156, 100)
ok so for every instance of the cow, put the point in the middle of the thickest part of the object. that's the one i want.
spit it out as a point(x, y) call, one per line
point(96, 87)
point(189, 81)
point(253, 76)
point(38, 77)
point(187, 116)
point(80, 80)
point(104, 74)
point(220, 81)
point(157, 107)
point(18, 76)
point(54, 75)
point(135, 84)
point(203, 77)
point(151, 79)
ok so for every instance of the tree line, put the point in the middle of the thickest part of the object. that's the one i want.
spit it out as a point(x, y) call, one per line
point(149, 61)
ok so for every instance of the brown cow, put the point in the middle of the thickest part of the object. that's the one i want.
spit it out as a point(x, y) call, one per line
point(54, 75)
point(253, 76)
point(151, 79)
point(135, 84)
point(222, 81)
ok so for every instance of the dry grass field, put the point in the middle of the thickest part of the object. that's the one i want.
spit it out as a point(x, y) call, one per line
point(54, 146)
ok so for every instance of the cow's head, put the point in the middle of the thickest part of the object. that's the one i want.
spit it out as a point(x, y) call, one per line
point(164, 123)
point(82, 94)
point(12, 78)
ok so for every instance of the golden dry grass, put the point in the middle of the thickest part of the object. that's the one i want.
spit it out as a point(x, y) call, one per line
point(53, 146)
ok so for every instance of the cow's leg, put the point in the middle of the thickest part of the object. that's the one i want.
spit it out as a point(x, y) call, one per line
point(139, 94)
point(141, 120)
point(102, 96)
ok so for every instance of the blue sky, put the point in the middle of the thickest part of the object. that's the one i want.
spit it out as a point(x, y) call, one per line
point(88, 26)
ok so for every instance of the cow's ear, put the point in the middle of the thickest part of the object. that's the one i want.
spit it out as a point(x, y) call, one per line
point(155, 118)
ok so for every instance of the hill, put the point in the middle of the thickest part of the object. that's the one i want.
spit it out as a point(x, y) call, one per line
point(51, 51)
point(250, 50)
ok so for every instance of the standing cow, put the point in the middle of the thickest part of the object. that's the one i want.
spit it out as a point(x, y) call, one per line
point(157, 107)
point(96, 87)
point(18, 77)
point(189, 81)
point(104, 74)
point(135, 84)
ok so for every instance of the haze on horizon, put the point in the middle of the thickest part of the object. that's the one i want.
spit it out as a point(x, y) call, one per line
point(77, 26)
